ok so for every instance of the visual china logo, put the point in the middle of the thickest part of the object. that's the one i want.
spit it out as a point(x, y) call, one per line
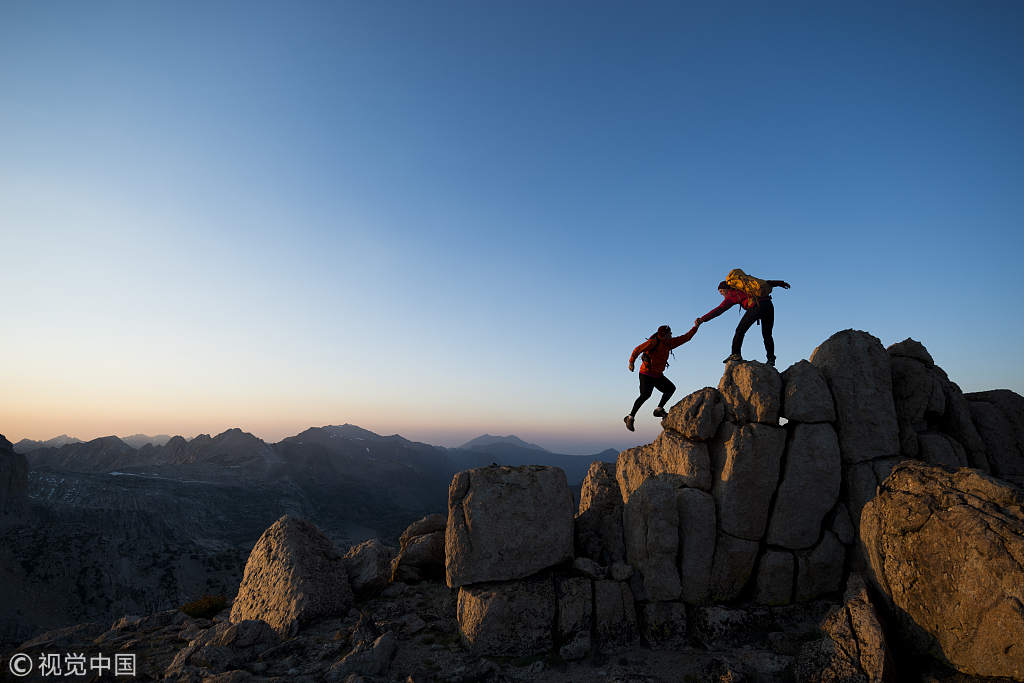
point(52, 664)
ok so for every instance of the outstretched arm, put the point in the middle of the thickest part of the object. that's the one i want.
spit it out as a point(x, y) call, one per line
point(683, 338)
point(715, 312)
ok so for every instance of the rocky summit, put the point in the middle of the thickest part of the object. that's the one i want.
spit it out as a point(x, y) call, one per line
point(855, 518)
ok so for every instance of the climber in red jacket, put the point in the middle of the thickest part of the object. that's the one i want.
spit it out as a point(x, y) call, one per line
point(757, 309)
point(655, 359)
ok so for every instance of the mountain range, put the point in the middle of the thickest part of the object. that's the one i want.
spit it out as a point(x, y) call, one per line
point(114, 526)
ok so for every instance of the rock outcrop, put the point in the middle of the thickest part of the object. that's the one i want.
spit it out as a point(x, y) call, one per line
point(856, 368)
point(225, 646)
point(999, 418)
point(854, 648)
point(672, 457)
point(294, 575)
point(697, 416)
point(510, 618)
point(935, 422)
point(947, 549)
point(14, 503)
point(599, 522)
point(368, 567)
point(751, 392)
point(422, 553)
point(809, 488)
point(507, 523)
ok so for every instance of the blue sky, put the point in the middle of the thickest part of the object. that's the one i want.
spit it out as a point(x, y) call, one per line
point(443, 219)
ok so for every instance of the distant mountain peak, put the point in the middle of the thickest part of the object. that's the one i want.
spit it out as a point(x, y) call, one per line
point(26, 445)
point(487, 440)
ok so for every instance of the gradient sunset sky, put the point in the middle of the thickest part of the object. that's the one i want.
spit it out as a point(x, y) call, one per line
point(441, 219)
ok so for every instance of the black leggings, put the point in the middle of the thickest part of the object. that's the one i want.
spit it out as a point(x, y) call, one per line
point(765, 312)
point(647, 386)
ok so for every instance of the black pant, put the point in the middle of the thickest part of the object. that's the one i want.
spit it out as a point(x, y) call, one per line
point(765, 312)
point(647, 386)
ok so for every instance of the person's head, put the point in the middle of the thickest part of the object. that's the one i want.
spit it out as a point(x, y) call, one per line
point(723, 288)
point(665, 332)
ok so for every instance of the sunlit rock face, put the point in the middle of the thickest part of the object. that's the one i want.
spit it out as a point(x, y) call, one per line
point(946, 547)
point(295, 575)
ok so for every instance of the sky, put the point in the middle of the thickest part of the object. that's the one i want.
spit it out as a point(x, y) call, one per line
point(445, 219)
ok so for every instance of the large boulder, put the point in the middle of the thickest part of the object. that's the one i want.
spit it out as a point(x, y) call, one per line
point(294, 575)
point(422, 553)
point(856, 367)
point(507, 523)
point(508, 619)
point(947, 549)
point(368, 566)
point(752, 392)
point(809, 488)
point(998, 416)
point(698, 415)
point(697, 533)
point(745, 461)
point(805, 394)
point(650, 525)
point(671, 458)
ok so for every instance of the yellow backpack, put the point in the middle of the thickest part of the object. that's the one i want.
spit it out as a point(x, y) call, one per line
point(754, 287)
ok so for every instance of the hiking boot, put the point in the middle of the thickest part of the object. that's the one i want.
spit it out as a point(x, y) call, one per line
point(771, 362)
point(629, 422)
point(660, 412)
point(733, 358)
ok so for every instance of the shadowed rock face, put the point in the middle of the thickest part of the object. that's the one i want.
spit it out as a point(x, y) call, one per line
point(599, 522)
point(854, 647)
point(809, 487)
point(947, 548)
point(513, 618)
point(507, 523)
point(999, 418)
point(14, 504)
point(805, 395)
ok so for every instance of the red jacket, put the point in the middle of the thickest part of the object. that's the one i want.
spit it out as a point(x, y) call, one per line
point(736, 296)
point(659, 355)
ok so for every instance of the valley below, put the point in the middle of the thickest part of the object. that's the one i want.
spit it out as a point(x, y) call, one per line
point(101, 529)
